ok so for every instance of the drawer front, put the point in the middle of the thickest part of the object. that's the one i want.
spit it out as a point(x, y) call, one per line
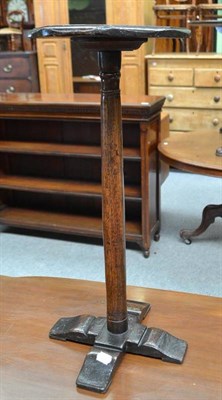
point(14, 67)
point(170, 76)
point(189, 97)
point(208, 77)
point(15, 86)
point(188, 120)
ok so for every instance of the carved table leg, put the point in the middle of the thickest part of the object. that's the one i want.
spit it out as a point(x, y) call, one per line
point(122, 330)
point(210, 212)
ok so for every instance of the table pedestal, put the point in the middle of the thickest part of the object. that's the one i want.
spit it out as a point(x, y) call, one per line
point(121, 331)
point(210, 213)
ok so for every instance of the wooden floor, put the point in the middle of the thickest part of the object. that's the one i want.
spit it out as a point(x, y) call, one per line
point(33, 367)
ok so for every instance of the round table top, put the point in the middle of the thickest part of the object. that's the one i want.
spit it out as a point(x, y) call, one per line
point(193, 151)
point(110, 37)
point(117, 32)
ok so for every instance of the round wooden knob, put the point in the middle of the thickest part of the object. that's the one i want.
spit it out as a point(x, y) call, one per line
point(215, 121)
point(170, 97)
point(217, 78)
point(170, 77)
point(171, 120)
point(216, 99)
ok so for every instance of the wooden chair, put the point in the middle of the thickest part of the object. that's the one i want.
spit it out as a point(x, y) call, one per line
point(207, 11)
point(172, 12)
point(14, 30)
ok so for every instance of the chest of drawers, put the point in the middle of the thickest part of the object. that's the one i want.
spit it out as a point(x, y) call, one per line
point(192, 85)
point(18, 72)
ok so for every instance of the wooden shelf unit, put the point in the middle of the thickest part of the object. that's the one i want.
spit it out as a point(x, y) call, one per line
point(50, 160)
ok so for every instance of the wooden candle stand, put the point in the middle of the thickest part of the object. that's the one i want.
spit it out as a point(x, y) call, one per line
point(121, 331)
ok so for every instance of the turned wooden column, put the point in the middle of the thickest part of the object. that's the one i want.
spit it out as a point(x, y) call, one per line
point(113, 191)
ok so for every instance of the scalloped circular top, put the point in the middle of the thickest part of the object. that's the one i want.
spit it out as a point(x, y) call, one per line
point(119, 32)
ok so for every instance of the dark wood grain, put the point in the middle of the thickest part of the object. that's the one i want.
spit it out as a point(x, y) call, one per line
point(64, 187)
point(60, 149)
point(56, 106)
point(35, 367)
point(109, 41)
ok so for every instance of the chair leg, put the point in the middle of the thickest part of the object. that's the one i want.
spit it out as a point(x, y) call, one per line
point(174, 45)
point(189, 17)
point(154, 46)
point(199, 34)
point(209, 35)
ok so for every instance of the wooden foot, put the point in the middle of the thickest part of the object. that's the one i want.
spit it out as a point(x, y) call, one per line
point(210, 212)
point(108, 348)
point(146, 253)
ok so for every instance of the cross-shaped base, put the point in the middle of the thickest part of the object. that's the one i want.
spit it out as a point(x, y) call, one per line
point(108, 348)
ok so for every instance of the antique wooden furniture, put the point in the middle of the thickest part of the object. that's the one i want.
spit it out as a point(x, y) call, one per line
point(24, 6)
point(210, 10)
point(34, 367)
point(16, 19)
point(14, 30)
point(210, 24)
point(197, 152)
point(121, 331)
point(18, 72)
point(13, 38)
point(174, 11)
point(192, 85)
point(51, 164)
